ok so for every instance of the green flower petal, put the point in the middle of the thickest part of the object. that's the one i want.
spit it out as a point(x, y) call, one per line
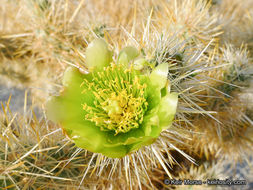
point(62, 109)
point(68, 106)
point(159, 75)
point(96, 145)
point(97, 54)
point(156, 130)
point(88, 136)
point(153, 93)
point(115, 152)
point(153, 98)
point(149, 121)
point(55, 109)
point(86, 132)
point(140, 63)
point(145, 142)
point(127, 54)
point(72, 77)
point(123, 138)
point(132, 144)
point(167, 110)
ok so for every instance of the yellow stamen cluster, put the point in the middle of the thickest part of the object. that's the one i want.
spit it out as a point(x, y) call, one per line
point(119, 103)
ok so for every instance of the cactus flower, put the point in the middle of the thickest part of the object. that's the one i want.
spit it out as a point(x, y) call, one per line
point(113, 110)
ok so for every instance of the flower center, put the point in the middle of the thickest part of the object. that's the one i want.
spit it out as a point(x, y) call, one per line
point(120, 101)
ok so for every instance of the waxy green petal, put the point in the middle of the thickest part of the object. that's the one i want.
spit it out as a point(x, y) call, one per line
point(127, 54)
point(71, 77)
point(88, 133)
point(97, 146)
point(97, 54)
point(149, 121)
point(159, 75)
point(55, 109)
point(167, 109)
point(69, 103)
point(123, 138)
point(140, 63)
point(145, 142)
point(73, 80)
point(115, 152)
point(153, 98)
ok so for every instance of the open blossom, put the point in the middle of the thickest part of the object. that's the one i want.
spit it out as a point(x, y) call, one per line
point(115, 109)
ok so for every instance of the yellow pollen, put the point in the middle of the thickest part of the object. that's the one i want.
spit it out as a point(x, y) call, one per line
point(119, 100)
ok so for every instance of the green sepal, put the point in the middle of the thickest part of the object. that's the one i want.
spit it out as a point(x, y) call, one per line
point(167, 110)
point(159, 75)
